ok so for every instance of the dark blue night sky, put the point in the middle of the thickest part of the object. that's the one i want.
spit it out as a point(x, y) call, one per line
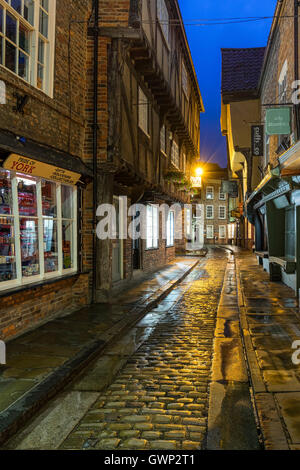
point(206, 42)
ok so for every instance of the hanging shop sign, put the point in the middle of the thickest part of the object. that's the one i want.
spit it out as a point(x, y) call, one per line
point(278, 121)
point(257, 139)
point(35, 168)
point(196, 181)
point(231, 188)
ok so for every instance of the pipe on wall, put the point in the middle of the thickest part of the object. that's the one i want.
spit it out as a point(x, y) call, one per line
point(95, 145)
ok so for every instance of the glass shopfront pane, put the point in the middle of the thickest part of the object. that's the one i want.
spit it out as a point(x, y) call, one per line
point(43, 23)
point(5, 193)
point(67, 244)
point(67, 202)
point(50, 246)
point(29, 247)
point(49, 204)
point(27, 197)
point(7, 250)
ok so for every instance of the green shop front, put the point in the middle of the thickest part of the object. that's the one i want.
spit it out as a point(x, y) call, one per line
point(274, 209)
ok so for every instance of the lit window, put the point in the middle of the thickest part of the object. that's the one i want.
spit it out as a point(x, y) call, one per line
point(222, 231)
point(222, 196)
point(170, 229)
point(209, 232)
point(27, 40)
point(163, 140)
point(188, 221)
point(38, 226)
point(152, 227)
point(143, 111)
point(163, 18)
point(209, 192)
point(184, 79)
point(209, 212)
point(184, 162)
point(175, 157)
point(222, 212)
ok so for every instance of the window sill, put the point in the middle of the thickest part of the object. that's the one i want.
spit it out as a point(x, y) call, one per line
point(151, 249)
point(170, 246)
point(38, 284)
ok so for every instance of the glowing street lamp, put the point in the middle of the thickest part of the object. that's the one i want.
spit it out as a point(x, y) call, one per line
point(197, 180)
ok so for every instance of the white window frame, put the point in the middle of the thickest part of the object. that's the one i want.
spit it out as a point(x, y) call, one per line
point(222, 196)
point(222, 232)
point(163, 19)
point(175, 155)
point(34, 34)
point(143, 111)
point(152, 223)
point(170, 229)
point(210, 228)
point(210, 190)
point(221, 208)
point(208, 207)
point(40, 218)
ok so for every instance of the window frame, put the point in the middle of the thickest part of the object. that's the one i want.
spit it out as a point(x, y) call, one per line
point(143, 117)
point(33, 51)
point(40, 218)
point(164, 23)
point(154, 238)
point(225, 212)
point(175, 155)
point(163, 140)
point(212, 212)
point(213, 232)
point(223, 227)
point(224, 198)
point(184, 79)
point(212, 193)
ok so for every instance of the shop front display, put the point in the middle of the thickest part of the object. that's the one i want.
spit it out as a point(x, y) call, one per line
point(38, 227)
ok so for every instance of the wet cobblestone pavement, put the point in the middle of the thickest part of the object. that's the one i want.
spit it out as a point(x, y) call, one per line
point(159, 399)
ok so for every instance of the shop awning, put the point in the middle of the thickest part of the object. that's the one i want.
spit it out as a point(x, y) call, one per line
point(12, 144)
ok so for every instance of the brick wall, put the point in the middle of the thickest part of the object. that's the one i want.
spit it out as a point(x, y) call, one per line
point(33, 306)
point(215, 222)
point(281, 50)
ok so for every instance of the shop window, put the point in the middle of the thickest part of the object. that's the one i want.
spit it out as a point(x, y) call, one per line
point(170, 229)
point(152, 227)
point(37, 229)
point(188, 221)
point(27, 40)
point(290, 233)
point(209, 212)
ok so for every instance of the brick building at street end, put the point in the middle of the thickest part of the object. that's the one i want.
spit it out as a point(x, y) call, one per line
point(99, 99)
point(214, 223)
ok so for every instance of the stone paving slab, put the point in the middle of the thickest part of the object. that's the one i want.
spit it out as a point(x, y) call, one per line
point(271, 323)
point(42, 361)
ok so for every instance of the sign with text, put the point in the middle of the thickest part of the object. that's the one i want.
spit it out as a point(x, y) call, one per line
point(196, 181)
point(257, 139)
point(35, 168)
point(278, 121)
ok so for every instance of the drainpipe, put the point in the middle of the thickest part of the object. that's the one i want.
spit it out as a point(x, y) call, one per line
point(296, 62)
point(95, 146)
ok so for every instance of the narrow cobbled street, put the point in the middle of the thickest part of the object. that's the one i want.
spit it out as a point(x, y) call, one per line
point(160, 398)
